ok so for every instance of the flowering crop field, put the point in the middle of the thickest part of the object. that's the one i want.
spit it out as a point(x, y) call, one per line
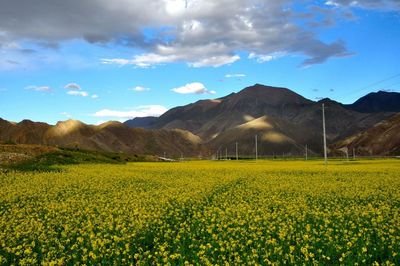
point(264, 212)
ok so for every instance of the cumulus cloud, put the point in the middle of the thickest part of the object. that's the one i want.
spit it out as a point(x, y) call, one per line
point(215, 61)
point(140, 111)
point(235, 75)
point(209, 55)
point(142, 61)
point(193, 88)
point(140, 89)
point(205, 33)
point(39, 88)
point(262, 58)
point(75, 89)
point(336, 49)
point(73, 86)
point(78, 93)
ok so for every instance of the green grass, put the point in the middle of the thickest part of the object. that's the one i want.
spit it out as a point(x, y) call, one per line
point(51, 161)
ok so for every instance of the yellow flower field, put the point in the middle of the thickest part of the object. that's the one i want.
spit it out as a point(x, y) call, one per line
point(264, 212)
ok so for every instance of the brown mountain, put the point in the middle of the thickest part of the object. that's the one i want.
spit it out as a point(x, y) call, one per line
point(208, 118)
point(141, 122)
point(283, 120)
point(381, 101)
point(381, 139)
point(109, 136)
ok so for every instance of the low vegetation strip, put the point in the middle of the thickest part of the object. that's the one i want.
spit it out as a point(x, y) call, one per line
point(203, 213)
point(43, 158)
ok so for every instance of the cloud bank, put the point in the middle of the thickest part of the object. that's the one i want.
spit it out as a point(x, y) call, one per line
point(205, 33)
point(193, 88)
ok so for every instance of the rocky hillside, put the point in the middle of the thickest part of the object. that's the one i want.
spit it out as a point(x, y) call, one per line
point(382, 139)
point(109, 137)
point(283, 120)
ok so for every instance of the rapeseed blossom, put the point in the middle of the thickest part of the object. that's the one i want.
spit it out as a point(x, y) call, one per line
point(203, 213)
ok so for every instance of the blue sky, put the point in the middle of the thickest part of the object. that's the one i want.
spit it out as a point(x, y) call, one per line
point(114, 60)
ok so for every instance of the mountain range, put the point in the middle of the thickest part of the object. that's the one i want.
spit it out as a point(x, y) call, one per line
point(110, 137)
point(284, 122)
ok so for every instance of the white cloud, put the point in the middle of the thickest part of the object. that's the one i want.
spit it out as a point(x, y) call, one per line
point(118, 61)
point(331, 3)
point(262, 58)
point(66, 114)
point(78, 93)
point(140, 89)
point(193, 88)
point(200, 33)
point(39, 88)
point(215, 61)
point(75, 89)
point(235, 75)
point(385, 5)
point(208, 55)
point(72, 86)
point(140, 111)
point(143, 60)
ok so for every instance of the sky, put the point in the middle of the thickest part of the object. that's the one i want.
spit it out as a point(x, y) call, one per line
point(106, 60)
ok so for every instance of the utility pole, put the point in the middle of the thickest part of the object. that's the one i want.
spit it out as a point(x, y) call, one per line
point(237, 155)
point(256, 148)
point(347, 154)
point(354, 154)
point(306, 153)
point(226, 153)
point(324, 132)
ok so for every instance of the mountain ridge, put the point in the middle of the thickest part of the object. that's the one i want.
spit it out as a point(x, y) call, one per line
point(381, 101)
point(294, 118)
point(383, 139)
point(283, 120)
point(110, 136)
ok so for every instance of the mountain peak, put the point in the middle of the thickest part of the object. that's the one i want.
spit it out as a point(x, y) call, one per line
point(271, 95)
point(328, 101)
point(381, 101)
point(70, 122)
point(262, 86)
point(382, 92)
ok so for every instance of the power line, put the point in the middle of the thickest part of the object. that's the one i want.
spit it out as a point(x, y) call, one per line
point(380, 81)
point(391, 85)
point(374, 84)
